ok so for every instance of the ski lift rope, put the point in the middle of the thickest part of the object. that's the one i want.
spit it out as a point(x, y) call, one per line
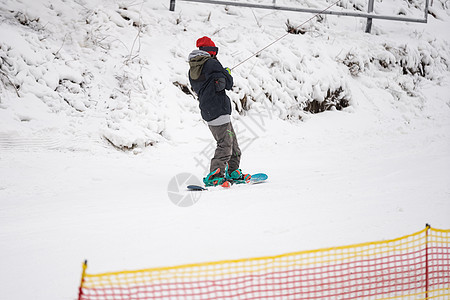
point(283, 36)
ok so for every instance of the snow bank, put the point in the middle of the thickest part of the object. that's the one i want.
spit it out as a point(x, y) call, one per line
point(91, 71)
point(120, 68)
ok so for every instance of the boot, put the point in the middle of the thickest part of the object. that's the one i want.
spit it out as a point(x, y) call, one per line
point(213, 178)
point(237, 175)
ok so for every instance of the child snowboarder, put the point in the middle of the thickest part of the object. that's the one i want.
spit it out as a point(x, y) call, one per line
point(210, 79)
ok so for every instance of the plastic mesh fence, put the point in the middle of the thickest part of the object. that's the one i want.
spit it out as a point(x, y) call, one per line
point(416, 266)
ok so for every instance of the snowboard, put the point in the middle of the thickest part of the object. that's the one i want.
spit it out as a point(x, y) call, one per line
point(256, 178)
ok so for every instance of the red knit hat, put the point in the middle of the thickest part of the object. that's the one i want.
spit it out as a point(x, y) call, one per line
point(206, 44)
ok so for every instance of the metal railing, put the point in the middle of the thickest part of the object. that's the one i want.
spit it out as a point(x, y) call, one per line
point(369, 15)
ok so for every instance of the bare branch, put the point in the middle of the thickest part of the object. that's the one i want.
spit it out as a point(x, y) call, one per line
point(7, 77)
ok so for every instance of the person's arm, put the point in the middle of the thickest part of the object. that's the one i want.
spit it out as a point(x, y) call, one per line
point(222, 79)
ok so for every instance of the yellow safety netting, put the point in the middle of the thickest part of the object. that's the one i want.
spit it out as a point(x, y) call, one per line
point(415, 266)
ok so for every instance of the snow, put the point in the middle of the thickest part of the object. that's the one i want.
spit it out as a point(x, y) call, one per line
point(101, 127)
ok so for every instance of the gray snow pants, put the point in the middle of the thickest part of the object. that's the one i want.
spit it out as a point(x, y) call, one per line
point(227, 150)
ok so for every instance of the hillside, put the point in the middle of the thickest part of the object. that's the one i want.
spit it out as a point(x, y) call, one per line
point(96, 119)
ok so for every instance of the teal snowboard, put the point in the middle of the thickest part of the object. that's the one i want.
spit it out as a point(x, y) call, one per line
point(256, 178)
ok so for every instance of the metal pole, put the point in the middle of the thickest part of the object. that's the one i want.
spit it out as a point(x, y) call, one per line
point(83, 274)
point(426, 261)
point(309, 10)
point(172, 5)
point(369, 20)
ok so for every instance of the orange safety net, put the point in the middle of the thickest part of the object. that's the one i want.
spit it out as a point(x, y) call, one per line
point(415, 266)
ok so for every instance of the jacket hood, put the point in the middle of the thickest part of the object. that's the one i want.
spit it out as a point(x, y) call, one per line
point(197, 53)
point(197, 59)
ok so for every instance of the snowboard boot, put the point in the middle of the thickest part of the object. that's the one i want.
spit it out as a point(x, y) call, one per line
point(238, 176)
point(213, 178)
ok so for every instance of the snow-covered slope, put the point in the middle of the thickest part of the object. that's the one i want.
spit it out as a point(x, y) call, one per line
point(112, 66)
point(96, 118)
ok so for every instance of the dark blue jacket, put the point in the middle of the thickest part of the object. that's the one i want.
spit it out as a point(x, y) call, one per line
point(210, 82)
